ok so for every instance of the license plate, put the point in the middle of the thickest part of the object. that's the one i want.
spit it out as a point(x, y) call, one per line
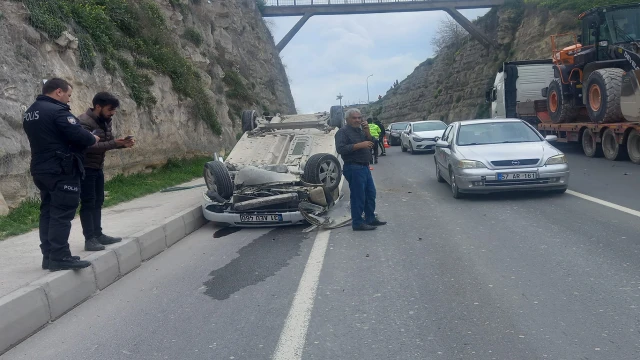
point(517, 176)
point(260, 218)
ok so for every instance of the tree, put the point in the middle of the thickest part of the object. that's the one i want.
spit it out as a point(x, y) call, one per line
point(449, 33)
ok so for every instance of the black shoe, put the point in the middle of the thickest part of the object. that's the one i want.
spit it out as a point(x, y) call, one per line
point(364, 227)
point(376, 161)
point(377, 222)
point(68, 263)
point(93, 245)
point(383, 154)
point(108, 240)
point(45, 262)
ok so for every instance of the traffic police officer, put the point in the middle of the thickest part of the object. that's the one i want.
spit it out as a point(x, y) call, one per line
point(57, 141)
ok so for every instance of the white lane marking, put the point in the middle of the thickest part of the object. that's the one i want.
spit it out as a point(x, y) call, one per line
point(605, 203)
point(292, 338)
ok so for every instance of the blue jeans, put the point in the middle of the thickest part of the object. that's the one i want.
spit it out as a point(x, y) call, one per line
point(363, 193)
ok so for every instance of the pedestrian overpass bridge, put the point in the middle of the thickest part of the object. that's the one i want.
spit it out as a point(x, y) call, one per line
point(309, 8)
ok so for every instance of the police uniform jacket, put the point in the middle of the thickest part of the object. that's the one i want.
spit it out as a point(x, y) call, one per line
point(55, 136)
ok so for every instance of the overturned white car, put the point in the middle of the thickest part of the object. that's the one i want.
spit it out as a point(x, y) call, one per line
point(283, 171)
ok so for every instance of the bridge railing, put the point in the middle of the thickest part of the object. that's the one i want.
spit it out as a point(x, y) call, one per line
point(332, 2)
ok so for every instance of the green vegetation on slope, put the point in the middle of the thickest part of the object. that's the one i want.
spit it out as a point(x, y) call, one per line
point(117, 28)
point(25, 217)
point(575, 5)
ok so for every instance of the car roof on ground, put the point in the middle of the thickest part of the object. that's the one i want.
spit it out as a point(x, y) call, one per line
point(487, 121)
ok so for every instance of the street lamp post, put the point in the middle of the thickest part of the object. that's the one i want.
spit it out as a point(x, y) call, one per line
point(339, 97)
point(368, 102)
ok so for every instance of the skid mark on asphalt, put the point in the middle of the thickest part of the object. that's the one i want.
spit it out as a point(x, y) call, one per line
point(257, 261)
point(292, 338)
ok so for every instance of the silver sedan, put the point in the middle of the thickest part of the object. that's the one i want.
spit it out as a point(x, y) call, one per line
point(485, 156)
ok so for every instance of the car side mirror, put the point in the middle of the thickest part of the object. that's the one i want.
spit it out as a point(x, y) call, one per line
point(436, 138)
point(551, 138)
point(442, 144)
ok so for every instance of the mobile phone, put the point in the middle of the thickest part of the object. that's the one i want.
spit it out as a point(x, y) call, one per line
point(129, 137)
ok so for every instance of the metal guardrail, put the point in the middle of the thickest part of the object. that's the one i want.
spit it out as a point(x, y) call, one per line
point(333, 2)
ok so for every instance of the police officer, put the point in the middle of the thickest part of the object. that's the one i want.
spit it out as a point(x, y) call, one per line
point(57, 141)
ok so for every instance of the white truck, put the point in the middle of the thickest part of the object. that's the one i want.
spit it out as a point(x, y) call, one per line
point(284, 170)
point(517, 85)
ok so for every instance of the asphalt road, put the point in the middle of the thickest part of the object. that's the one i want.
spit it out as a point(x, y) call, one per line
point(520, 276)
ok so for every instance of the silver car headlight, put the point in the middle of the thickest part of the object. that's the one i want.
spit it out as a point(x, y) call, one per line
point(417, 138)
point(470, 164)
point(557, 159)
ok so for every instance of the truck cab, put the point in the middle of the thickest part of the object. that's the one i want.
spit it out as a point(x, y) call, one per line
point(516, 86)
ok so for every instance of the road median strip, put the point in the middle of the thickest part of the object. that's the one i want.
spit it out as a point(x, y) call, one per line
point(25, 311)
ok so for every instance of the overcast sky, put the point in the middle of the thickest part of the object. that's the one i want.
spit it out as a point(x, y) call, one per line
point(335, 54)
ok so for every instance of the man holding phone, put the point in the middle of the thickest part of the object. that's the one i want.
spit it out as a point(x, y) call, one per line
point(354, 143)
point(97, 120)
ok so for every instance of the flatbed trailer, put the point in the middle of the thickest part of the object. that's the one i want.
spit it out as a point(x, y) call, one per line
point(614, 141)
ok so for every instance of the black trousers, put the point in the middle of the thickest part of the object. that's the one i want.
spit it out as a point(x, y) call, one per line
point(381, 143)
point(60, 195)
point(91, 199)
point(375, 148)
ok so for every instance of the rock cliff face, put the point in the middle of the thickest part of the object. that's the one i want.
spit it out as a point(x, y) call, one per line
point(452, 85)
point(225, 42)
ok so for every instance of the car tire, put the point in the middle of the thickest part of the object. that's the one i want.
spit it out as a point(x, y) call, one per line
point(218, 179)
point(336, 116)
point(323, 169)
point(249, 120)
point(455, 191)
point(413, 152)
point(438, 173)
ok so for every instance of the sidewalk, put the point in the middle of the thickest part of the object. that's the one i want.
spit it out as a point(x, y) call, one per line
point(30, 297)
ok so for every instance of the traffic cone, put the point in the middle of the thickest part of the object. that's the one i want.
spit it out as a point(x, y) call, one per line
point(370, 167)
point(385, 143)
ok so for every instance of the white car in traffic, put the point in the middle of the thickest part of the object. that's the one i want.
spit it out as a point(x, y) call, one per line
point(420, 136)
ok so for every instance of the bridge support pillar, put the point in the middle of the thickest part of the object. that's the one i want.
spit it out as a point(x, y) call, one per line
point(294, 30)
point(472, 29)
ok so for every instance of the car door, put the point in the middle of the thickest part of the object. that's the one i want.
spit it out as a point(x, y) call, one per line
point(442, 154)
point(404, 136)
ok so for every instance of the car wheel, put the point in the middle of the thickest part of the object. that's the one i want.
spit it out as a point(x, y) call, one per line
point(438, 173)
point(454, 187)
point(323, 169)
point(218, 180)
point(413, 152)
point(249, 120)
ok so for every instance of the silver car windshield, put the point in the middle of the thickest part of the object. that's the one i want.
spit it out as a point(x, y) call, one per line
point(399, 126)
point(430, 126)
point(496, 133)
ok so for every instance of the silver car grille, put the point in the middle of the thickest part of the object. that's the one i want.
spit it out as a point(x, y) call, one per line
point(515, 162)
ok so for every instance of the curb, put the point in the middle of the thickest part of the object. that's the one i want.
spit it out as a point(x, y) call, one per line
point(26, 310)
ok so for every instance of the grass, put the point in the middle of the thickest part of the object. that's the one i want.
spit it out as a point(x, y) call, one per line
point(575, 5)
point(25, 217)
point(137, 28)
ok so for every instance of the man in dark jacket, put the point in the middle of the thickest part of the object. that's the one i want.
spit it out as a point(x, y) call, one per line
point(98, 121)
point(354, 144)
point(57, 141)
